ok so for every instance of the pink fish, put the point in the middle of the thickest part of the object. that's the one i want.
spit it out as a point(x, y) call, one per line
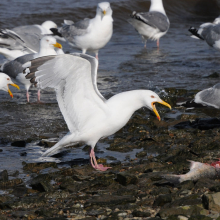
point(197, 170)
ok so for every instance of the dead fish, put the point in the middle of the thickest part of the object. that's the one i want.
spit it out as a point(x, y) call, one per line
point(197, 170)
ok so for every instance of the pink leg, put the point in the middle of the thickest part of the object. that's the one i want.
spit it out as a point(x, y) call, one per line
point(158, 43)
point(96, 56)
point(27, 94)
point(94, 163)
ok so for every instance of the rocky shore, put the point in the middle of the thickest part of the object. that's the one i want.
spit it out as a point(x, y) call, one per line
point(133, 188)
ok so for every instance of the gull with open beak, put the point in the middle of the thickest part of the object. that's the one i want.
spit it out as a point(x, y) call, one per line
point(89, 116)
point(5, 81)
point(89, 34)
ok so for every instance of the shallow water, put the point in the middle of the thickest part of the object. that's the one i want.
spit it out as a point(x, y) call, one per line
point(181, 62)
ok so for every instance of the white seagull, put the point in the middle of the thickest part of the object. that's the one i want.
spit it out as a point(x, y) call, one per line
point(5, 81)
point(89, 116)
point(15, 70)
point(23, 39)
point(153, 24)
point(89, 34)
point(210, 32)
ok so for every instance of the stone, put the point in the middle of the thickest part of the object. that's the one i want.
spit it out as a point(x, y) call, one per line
point(18, 144)
point(126, 179)
point(211, 201)
point(200, 217)
point(4, 175)
point(161, 200)
point(137, 213)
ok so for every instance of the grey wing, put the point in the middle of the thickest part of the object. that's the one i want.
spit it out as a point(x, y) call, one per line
point(77, 29)
point(14, 67)
point(210, 96)
point(212, 34)
point(70, 76)
point(153, 19)
point(31, 35)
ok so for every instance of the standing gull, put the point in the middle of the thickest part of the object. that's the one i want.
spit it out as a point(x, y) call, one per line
point(15, 70)
point(153, 24)
point(210, 32)
point(5, 81)
point(23, 39)
point(89, 116)
point(89, 34)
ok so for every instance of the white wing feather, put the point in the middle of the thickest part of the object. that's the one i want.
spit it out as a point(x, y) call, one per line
point(78, 100)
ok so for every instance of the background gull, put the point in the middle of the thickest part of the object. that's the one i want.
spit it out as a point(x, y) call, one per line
point(23, 39)
point(15, 70)
point(89, 116)
point(153, 24)
point(210, 96)
point(5, 81)
point(210, 32)
point(89, 34)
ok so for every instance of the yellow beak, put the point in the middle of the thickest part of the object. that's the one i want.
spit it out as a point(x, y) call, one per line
point(104, 12)
point(57, 45)
point(9, 91)
point(155, 110)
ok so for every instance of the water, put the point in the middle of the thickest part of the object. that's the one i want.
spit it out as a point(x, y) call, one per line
point(181, 62)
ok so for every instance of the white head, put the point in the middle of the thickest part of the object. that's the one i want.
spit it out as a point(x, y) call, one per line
point(47, 25)
point(157, 5)
point(49, 42)
point(5, 81)
point(150, 98)
point(103, 9)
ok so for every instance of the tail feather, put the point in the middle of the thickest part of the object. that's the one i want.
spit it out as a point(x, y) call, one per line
point(194, 32)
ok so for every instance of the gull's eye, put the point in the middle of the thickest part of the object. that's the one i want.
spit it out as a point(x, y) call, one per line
point(8, 79)
point(152, 97)
point(47, 40)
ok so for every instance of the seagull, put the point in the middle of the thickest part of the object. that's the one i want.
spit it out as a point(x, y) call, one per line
point(5, 81)
point(89, 34)
point(89, 116)
point(210, 32)
point(15, 70)
point(153, 24)
point(23, 39)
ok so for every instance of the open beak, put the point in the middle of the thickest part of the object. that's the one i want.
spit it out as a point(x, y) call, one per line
point(155, 110)
point(9, 91)
point(57, 45)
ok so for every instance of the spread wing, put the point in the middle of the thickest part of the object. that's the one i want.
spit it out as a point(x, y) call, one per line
point(72, 77)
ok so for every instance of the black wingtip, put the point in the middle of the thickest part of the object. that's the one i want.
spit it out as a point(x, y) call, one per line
point(56, 32)
point(194, 32)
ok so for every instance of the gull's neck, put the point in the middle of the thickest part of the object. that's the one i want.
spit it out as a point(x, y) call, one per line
point(157, 5)
point(124, 104)
point(45, 52)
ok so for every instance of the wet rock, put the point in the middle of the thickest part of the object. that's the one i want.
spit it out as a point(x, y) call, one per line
point(161, 200)
point(19, 191)
point(4, 175)
point(18, 143)
point(46, 212)
point(106, 200)
point(186, 185)
point(215, 188)
point(213, 75)
point(205, 183)
point(187, 201)
point(47, 143)
point(36, 167)
point(10, 183)
point(137, 213)
point(183, 210)
point(200, 217)
point(42, 183)
point(141, 154)
point(126, 179)
point(159, 191)
point(1, 150)
point(212, 201)
point(24, 154)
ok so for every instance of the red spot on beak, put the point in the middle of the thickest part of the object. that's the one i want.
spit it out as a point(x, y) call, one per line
point(11, 95)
